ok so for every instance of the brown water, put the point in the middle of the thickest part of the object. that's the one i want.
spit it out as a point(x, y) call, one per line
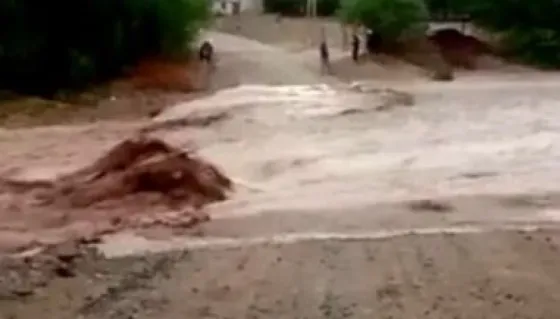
point(324, 222)
point(313, 147)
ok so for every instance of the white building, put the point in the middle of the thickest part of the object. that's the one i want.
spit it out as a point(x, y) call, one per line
point(229, 7)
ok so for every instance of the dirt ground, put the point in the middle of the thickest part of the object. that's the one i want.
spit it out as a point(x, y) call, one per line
point(442, 203)
point(301, 37)
point(510, 274)
point(143, 91)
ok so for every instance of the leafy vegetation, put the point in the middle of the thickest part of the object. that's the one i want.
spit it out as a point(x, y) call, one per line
point(298, 7)
point(49, 45)
point(530, 29)
point(390, 18)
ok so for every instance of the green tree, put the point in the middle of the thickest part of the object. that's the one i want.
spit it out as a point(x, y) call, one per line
point(390, 18)
point(49, 45)
point(298, 7)
point(442, 9)
point(530, 29)
point(285, 7)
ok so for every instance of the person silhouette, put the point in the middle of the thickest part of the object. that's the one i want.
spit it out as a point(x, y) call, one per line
point(324, 54)
point(355, 47)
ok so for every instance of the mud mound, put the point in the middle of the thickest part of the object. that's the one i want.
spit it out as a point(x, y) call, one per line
point(143, 165)
point(422, 52)
point(458, 49)
point(139, 183)
point(164, 75)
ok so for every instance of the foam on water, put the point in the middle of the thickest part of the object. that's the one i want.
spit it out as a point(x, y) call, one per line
point(128, 244)
point(295, 149)
point(297, 141)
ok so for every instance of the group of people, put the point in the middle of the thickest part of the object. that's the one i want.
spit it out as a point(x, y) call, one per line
point(373, 42)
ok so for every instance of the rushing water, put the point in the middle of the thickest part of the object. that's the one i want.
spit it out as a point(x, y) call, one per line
point(298, 147)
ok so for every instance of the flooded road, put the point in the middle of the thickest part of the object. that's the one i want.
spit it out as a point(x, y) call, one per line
point(319, 148)
point(427, 200)
point(447, 208)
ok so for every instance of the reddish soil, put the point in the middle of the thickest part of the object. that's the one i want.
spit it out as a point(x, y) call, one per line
point(458, 49)
point(147, 88)
point(139, 183)
point(165, 75)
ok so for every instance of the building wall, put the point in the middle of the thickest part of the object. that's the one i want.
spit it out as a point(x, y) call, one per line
point(226, 6)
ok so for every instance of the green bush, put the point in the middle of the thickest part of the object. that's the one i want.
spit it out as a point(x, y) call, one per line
point(536, 46)
point(285, 7)
point(443, 9)
point(530, 28)
point(298, 7)
point(328, 7)
point(390, 18)
point(50, 45)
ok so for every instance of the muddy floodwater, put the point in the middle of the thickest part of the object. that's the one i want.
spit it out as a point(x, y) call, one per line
point(297, 146)
point(367, 200)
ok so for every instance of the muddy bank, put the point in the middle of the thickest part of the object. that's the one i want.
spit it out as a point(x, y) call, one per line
point(460, 50)
point(145, 89)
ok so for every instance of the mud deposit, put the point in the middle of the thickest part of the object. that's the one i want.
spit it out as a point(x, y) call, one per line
point(139, 183)
point(495, 275)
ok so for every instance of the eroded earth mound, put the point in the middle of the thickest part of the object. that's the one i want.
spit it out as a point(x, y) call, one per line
point(140, 182)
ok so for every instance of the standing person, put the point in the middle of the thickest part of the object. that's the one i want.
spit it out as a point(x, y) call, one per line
point(355, 47)
point(207, 58)
point(324, 55)
point(236, 10)
point(206, 53)
point(325, 58)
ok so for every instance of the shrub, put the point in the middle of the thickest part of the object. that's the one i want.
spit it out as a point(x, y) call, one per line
point(328, 7)
point(49, 45)
point(443, 9)
point(285, 7)
point(390, 18)
point(537, 46)
point(298, 7)
point(530, 29)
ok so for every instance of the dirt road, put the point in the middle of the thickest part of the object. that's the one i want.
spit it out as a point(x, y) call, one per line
point(491, 275)
point(245, 61)
point(347, 206)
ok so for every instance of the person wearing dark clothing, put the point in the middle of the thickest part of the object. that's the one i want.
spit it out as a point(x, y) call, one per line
point(355, 47)
point(373, 42)
point(206, 54)
point(325, 58)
